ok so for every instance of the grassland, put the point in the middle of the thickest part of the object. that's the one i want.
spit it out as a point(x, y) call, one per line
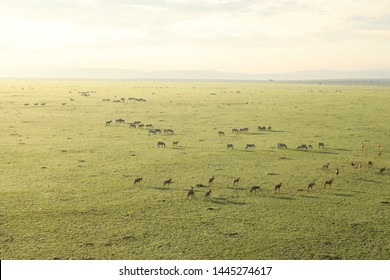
point(66, 179)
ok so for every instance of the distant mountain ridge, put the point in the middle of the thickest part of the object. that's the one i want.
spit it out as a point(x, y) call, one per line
point(130, 74)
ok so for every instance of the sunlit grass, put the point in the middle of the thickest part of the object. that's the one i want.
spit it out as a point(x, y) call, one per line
point(67, 187)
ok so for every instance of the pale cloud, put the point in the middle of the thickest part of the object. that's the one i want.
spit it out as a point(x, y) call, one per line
point(229, 35)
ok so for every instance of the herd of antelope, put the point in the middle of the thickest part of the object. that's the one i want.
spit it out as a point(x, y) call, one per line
point(252, 190)
point(277, 187)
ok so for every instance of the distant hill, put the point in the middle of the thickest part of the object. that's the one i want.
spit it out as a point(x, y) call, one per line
point(94, 73)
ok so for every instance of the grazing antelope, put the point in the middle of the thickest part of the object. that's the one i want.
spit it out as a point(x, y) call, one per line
point(310, 147)
point(169, 131)
point(379, 153)
point(244, 130)
point(108, 122)
point(382, 170)
point(311, 185)
point(132, 125)
point(168, 182)
point(191, 192)
point(211, 180)
point(207, 194)
point(325, 165)
point(235, 131)
point(250, 146)
point(221, 133)
point(160, 144)
point(138, 180)
point(174, 144)
point(152, 132)
point(261, 128)
point(321, 145)
point(277, 187)
point(302, 147)
point(337, 172)
point(120, 121)
point(269, 128)
point(282, 146)
point(254, 189)
point(328, 182)
point(369, 163)
point(235, 182)
point(230, 146)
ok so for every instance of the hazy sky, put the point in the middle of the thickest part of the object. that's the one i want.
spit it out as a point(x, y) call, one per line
point(228, 35)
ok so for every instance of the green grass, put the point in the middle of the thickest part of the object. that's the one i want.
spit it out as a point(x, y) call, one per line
point(66, 179)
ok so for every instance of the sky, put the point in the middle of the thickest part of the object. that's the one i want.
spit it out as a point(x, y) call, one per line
point(248, 36)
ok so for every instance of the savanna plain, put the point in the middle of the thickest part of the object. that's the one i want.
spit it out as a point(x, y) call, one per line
point(67, 174)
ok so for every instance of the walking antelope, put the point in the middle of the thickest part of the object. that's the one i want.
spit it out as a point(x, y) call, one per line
point(310, 185)
point(277, 187)
point(138, 180)
point(328, 182)
point(168, 182)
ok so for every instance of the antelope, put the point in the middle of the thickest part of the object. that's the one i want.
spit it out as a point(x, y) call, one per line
point(325, 165)
point(207, 194)
point(221, 133)
point(369, 163)
point(302, 147)
point(254, 189)
point(379, 153)
point(277, 187)
point(200, 186)
point(235, 131)
point(250, 146)
point(191, 192)
point(211, 180)
point(168, 182)
point(381, 170)
point(328, 182)
point(310, 185)
point(175, 143)
point(138, 180)
point(235, 182)
point(230, 146)
point(108, 122)
point(321, 145)
point(160, 144)
point(337, 172)
point(282, 146)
